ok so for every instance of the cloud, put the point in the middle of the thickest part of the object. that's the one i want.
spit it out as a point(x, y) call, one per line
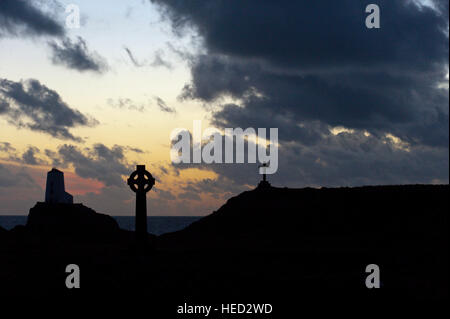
point(29, 156)
point(18, 189)
point(158, 60)
point(189, 194)
point(99, 162)
point(23, 18)
point(135, 150)
point(132, 58)
point(30, 104)
point(164, 171)
point(6, 147)
point(312, 36)
point(164, 194)
point(115, 200)
point(342, 159)
point(120, 200)
point(10, 179)
point(306, 68)
point(10, 152)
point(105, 164)
point(76, 55)
point(220, 187)
point(411, 107)
point(55, 160)
point(20, 18)
point(126, 103)
point(163, 106)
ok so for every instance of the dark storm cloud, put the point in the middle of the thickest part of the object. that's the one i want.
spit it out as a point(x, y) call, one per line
point(23, 18)
point(30, 104)
point(318, 61)
point(313, 35)
point(308, 66)
point(100, 162)
point(77, 56)
point(163, 106)
point(19, 18)
point(409, 106)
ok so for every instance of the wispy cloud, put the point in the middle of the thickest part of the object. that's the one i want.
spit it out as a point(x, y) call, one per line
point(157, 60)
point(160, 61)
point(127, 104)
point(132, 58)
point(163, 106)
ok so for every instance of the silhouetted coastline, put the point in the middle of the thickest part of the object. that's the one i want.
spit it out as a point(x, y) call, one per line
point(257, 244)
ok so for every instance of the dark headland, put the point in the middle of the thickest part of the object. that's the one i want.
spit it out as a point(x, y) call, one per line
point(269, 243)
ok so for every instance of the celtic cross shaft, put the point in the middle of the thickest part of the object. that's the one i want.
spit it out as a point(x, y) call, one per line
point(140, 182)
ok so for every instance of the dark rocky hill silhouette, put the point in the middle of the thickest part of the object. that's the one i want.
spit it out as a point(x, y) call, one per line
point(71, 221)
point(275, 245)
point(326, 219)
point(319, 241)
point(2, 232)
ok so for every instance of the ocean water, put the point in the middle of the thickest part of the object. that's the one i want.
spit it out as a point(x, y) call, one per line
point(156, 224)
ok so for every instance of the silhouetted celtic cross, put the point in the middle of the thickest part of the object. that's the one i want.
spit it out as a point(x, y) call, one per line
point(140, 182)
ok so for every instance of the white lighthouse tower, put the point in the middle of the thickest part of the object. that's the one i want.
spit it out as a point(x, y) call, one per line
point(55, 191)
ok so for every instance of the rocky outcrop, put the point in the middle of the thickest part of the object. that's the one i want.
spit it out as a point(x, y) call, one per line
point(327, 219)
point(261, 244)
point(3, 232)
point(55, 219)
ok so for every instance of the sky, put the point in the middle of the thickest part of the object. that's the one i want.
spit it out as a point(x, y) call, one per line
point(353, 106)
